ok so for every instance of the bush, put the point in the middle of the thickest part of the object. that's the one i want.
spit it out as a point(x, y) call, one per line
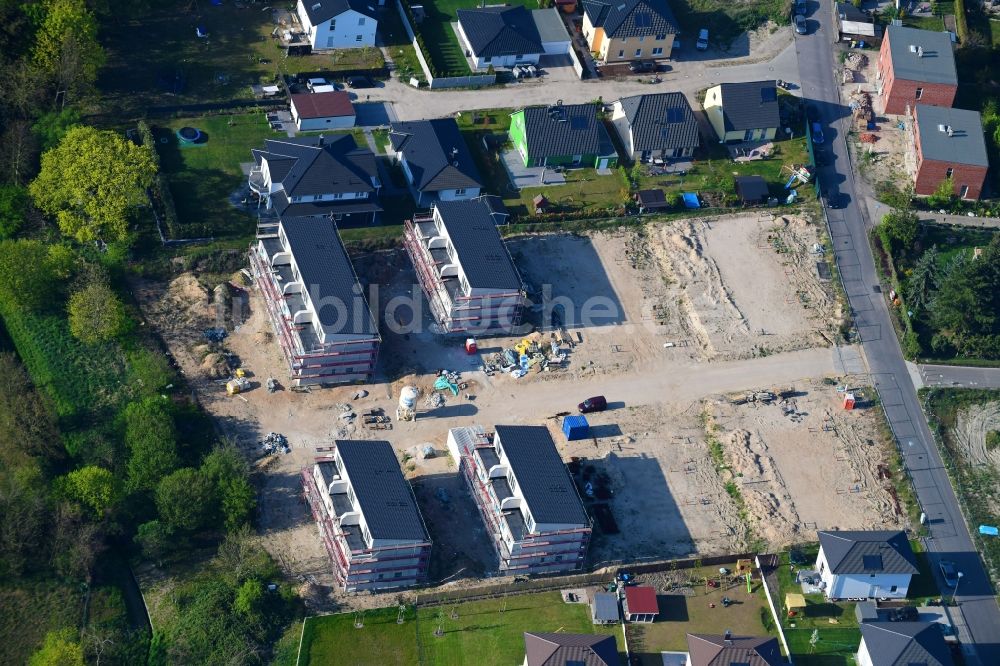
point(993, 440)
point(96, 314)
point(912, 348)
point(13, 202)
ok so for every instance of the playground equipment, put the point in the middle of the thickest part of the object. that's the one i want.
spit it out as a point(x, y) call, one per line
point(798, 172)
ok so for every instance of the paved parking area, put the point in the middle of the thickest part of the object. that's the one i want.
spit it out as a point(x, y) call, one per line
point(522, 176)
point(373, 114)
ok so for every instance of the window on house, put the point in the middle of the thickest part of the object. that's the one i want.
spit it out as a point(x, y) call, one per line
point(641, 37)
point(459, 192)
point(871, 575)
point(559, 558)
point(949, 172)
point(358, 38)
point(317, 197)
point(920, 93)
point(892, 589)
point(487, 58)
point(660, 38)
point(398, 574)
point(361, 21)
point(638, 52)
point(963, 191)
point(621, 53)
point(338, 195)
point(329, 42)
point(657, 50)
point(333, 24)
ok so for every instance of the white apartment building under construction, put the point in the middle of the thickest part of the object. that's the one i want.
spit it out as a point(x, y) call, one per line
point(531, 507)
point(464, 268)
point(368, 517)
point(316, 305)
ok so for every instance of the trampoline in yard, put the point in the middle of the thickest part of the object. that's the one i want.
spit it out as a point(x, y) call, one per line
point(189, 135)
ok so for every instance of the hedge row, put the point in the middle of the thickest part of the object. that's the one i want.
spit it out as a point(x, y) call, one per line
point(163, 200)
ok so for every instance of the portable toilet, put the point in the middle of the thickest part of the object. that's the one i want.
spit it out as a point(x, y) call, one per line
point(470, 346)
point(575, 427)
point(848, 401)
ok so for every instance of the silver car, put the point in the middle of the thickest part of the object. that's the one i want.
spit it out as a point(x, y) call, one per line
point(800, 24)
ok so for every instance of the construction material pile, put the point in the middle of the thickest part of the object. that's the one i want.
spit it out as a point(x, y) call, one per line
point(861, 109)
point(274, 442)
point(530, 352)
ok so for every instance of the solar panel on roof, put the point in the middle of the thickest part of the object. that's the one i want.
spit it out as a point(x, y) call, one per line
point(643, 20)
point(872, 562)
point(768, 94)
point(675, 115)
point(578, 122)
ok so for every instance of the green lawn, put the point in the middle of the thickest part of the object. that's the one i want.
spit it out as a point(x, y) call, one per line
point(726, 20)
point(202, 177)
point(584, 191)
point(680, 615)
point(31, 608)
point(147, 56)
point(401, 51)
point(381, 137)
point(440, 40)
point(476, 632)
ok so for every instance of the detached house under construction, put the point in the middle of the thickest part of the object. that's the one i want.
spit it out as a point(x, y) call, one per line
point(316, 305)
point(368, 517)
point(464, 268)
point(531, 507)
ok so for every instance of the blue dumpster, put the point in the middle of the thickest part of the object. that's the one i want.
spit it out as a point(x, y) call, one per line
point(576, 427)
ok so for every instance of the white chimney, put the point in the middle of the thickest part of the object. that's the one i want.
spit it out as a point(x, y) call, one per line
point(950, 131)
point(913, 48)
point(920, 52)
point(942, 128)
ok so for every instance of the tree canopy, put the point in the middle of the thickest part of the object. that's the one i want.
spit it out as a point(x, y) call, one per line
point(96, 314)
point(94, 487)
point(151, 440)
point(91, 182)
point(60, 649)
point(184, 499)
point(66, 47)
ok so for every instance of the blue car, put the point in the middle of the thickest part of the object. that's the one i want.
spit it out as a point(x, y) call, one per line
point(817, 133)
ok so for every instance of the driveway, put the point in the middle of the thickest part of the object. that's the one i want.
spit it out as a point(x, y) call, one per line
point(685, 76)
point(979, 620)
point(522, 176)
point(373, 114)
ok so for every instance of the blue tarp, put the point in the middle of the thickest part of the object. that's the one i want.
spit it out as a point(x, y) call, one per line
point(575, 427)
point(691, 200)
point(989, 530)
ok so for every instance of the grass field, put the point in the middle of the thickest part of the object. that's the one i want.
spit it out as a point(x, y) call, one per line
point(726, 20)
point(441, 42)
point(680, 615)
point(478, 634)
point(401, 51)
point(584, 191)
point(204, 176)
point(49, 605)
point(147, 57)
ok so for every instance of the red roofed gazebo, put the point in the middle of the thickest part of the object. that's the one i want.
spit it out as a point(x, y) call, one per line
point(640, 604)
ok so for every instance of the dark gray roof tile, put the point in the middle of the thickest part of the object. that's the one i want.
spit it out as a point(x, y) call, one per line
point(384, 495)
point(328, 275)
point(320, 11)
point(500, 31)
point(320, 164)
point(472, 226)
point(750, 105)
point(906, 644)
point(931, 60)
point(962, 140)
point(663, 121)
point(545, 482)
point(715, 650)
point(868, 552)
point(632, 18)
point(566, 649)
point(436, 154)
point(561, 130)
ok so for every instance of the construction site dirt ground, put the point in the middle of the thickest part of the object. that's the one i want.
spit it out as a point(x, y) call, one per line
point(708, 287)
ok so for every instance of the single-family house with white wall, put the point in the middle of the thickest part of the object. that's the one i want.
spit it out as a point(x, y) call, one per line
point(317, 176)
point(338, 24)
point(435, 159)
point(368, 517)
point(903, 644)
point(656, 126)
point(324, 110)
point(865, 564)
point(502, 36)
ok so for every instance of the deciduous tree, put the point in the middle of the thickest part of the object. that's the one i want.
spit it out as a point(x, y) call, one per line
point(60, 649)
point(91, 182)
point(13, 205)
point(96, 314)
point(151, 440)
point(184, 500)
point(94, 487)
point(66, 47)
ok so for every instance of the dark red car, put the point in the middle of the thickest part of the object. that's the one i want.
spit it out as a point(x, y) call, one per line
point(596, 404)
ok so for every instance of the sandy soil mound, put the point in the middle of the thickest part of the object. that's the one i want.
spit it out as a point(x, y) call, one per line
point(970, 431)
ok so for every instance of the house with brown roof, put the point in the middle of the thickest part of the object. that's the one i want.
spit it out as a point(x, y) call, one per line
point(563, 649)
point(640, 604)
point(324, 110)
point(729, 650)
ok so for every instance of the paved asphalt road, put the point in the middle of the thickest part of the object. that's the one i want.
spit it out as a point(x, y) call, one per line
point(950, 375)
point(949, 537)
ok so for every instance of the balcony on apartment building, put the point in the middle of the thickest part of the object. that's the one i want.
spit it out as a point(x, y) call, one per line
point(442, 268)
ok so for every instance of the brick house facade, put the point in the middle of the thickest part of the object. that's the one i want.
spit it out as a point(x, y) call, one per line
point(915, 67)
point(949, 144)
